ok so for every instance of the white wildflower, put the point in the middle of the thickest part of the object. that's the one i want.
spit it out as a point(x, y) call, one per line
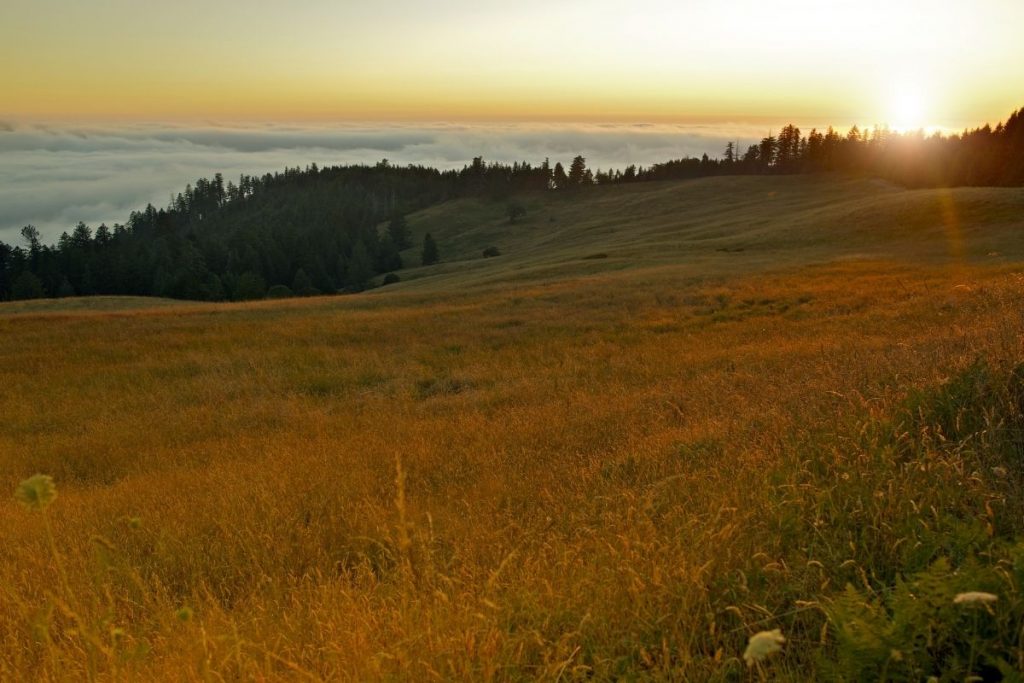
point(974, 598)
point(763, 644)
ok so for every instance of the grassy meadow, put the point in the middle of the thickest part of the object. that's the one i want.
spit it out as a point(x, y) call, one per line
point(667, 417)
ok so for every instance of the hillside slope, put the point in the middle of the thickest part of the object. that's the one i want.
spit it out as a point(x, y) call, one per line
point(718, 226)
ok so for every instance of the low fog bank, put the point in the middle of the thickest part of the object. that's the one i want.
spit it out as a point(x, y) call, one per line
point(54, 176)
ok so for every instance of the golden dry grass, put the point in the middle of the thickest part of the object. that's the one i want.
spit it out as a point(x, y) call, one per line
point(608, 474)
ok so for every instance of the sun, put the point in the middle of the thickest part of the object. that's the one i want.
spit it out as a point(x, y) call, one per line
point(907, 108)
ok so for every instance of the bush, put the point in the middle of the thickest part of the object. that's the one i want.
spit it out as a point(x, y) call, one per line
point(390, 279)
point(491, 252)
point(515, 212)
point(279, 292)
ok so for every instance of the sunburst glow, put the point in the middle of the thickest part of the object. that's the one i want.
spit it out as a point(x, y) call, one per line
point(909, 106)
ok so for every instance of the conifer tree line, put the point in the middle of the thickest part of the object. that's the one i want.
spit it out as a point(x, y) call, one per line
point(319, 230)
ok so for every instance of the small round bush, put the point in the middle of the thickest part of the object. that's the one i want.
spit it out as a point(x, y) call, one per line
point(279, 292)
point(390, 279)
point(491, 252)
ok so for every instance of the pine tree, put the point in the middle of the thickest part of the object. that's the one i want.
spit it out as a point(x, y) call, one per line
point(430, 253)
point(250, 286)
point(398, 229)
point(302, 285)
point(559, 179)
point(577, 171)
point(27, 286)
point(359, 269)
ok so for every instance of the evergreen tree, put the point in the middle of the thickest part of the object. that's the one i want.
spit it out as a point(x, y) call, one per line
point(31, 236)
point(302, 285)
point(65, 289)
point(430, 253)
point(6, 254)
point(27, 286)
point(249, 286)
point(559, 179)
point(577, 171)
point(766, 152)
point(388, 257)
point(360, 268)
point(398, 230)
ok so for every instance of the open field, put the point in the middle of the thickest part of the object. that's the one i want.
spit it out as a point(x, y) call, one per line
point(760, 403)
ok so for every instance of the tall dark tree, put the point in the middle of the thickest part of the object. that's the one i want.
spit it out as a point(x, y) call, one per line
point(766, 152)
point(360, 268)
point(31, 236)
point(27, 286)
point(302, 285)
point(250, 286)
point(577, 171)
point(558, 178)
point(398, 229)
point(430, 254)
point(730, 153)
point(388, 258)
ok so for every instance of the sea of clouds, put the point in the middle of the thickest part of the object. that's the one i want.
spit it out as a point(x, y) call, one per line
point(53, 176)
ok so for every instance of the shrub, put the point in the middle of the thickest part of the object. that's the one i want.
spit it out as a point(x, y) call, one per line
point(515, 212)
point(279, 292)
point(390, 279)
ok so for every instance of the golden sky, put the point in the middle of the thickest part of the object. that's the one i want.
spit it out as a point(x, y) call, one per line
point(908, 63)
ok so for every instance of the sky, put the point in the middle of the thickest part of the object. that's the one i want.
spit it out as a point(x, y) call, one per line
point(100, 97)
point(571, 60)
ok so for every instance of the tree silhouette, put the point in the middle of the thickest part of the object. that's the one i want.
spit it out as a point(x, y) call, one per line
point(302, 285)
point(27, 286)
point(430, 253)
point(360, 268)
point(577, 171)
point(398, 229)
point(559, 179)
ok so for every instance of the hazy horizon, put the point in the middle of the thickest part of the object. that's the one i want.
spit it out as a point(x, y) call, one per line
point(54, 175)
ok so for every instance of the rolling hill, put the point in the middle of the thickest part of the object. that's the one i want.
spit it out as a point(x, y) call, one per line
point(668, 416)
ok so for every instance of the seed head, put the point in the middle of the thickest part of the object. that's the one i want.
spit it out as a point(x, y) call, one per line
point(36, 492)
point(975, 598)
point(763, 644)
point(184, 614)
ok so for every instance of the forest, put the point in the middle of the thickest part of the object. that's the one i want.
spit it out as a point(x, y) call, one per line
point(311, 231)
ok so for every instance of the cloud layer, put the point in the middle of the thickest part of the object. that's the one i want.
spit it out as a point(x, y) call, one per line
point(54, 176)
